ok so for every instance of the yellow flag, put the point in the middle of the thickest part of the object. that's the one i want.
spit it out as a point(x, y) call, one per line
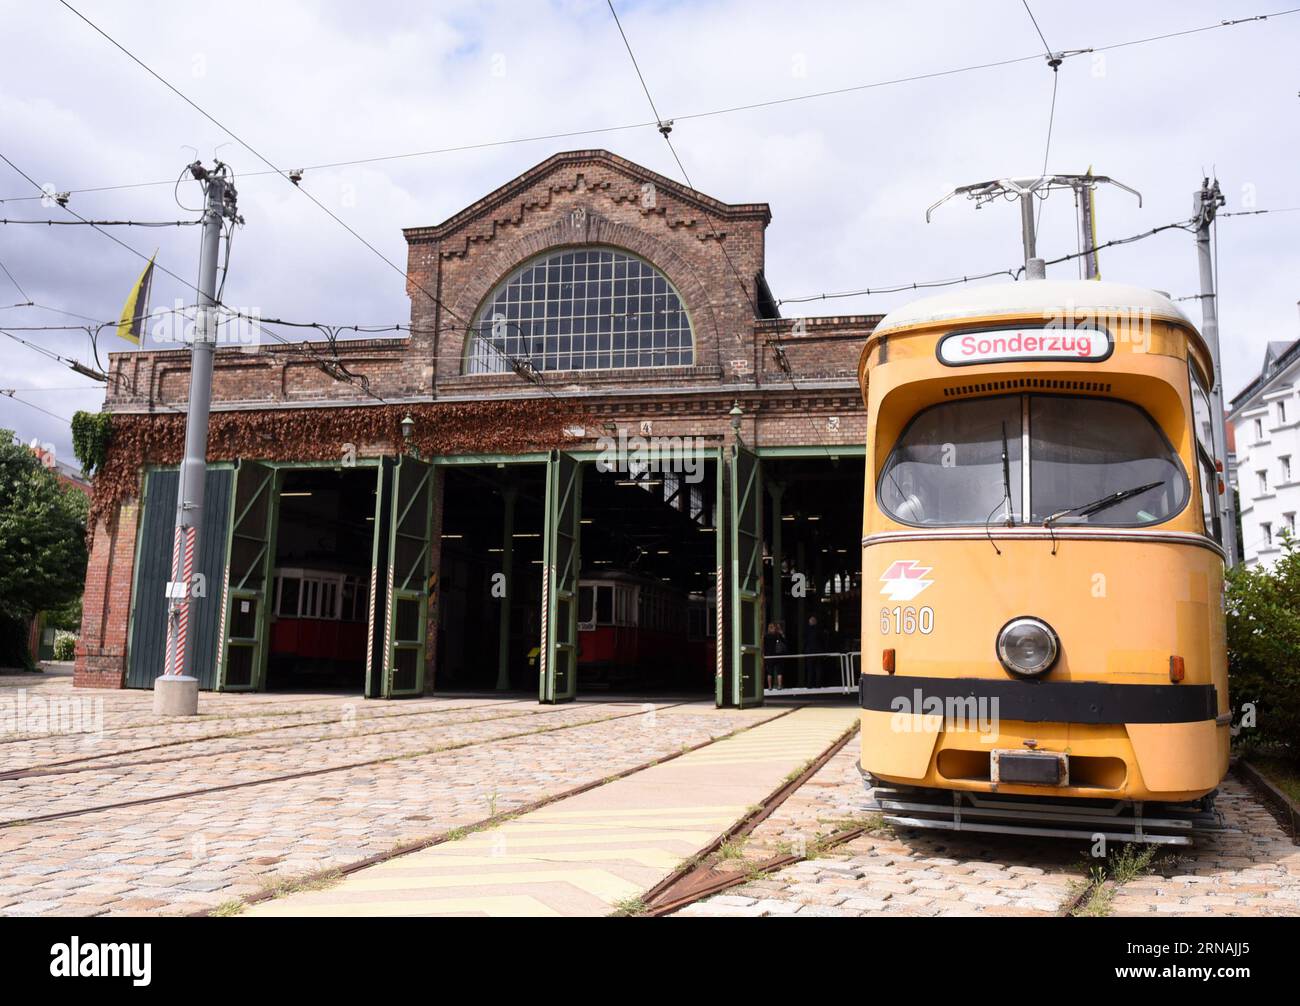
point(131, 325)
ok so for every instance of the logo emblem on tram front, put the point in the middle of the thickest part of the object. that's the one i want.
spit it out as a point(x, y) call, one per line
point(904, 580)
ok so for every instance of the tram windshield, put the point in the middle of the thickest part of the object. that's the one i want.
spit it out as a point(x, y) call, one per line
point(1085, 459)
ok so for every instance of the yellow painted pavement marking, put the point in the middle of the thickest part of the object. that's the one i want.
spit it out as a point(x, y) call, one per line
point(547, 814)
point(561, 827)
point(554, 853)
point(533, 841)
point(648, 856)
point(609, 887)
point(500, 905)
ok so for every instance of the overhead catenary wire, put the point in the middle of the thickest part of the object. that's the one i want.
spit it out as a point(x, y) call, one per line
point(953, 281)
point(162, 268)
point(106, 223)
point(17, 286)
point(665, 128)
point(524, 368)
point(82, 368)
point(897, 288)
point(1054, 61)
point(11, 394)
point(687, 116)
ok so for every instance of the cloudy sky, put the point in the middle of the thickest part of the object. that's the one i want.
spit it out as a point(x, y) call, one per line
point(848, 176)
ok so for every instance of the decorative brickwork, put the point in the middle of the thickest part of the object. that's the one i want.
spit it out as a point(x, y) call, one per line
point(795, 379)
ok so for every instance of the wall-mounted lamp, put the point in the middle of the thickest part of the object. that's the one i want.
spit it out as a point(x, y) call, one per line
point(735, 414)
point(408, 432)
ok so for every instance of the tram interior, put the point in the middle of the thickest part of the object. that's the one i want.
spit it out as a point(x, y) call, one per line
point(320, 587)
point(812, 517)
point(646, 615)
point(470, 589)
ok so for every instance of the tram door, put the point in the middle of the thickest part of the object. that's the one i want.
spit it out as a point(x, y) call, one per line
point(558, 650)
point(746, 484)
point(251, 549)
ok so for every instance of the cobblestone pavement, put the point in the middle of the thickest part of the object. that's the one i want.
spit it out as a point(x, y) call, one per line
point(387, 775)
point(914, 873)
point(1253, 872)
point(448, 763)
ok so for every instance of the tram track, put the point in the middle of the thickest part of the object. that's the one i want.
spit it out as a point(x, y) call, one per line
point(311, 773)
point(214, 720)
point(58, 767)
point(330, 876)
point(696, 879)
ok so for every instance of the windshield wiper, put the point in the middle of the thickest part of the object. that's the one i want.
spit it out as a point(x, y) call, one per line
point(1006, 493)
point(1006, 474)
point(1104, 503)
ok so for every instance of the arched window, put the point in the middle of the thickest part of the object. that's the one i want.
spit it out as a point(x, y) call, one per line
point(581, 309)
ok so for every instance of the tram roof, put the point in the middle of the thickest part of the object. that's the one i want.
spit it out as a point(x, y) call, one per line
point(1032, 297)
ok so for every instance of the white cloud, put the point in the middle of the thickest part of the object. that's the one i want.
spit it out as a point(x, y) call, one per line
point(848, 176)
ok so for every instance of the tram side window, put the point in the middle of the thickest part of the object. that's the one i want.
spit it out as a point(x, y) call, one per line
point(289, 591)
point(947, 467)
point(1082, 450)
point(586, 605)
point(605, 604)
point(1201, 419)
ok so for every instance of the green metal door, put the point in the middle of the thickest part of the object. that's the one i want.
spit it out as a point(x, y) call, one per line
point(558, 674)
point(746, 477)
point(722, 691)
point(408, 578)
point(377, 614)
point(249, 559)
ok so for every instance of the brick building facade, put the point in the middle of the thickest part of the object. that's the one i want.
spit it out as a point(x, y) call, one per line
point(793, 380)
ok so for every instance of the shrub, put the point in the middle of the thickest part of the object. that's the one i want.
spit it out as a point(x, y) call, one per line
point(1263, 609)
point(65, 645)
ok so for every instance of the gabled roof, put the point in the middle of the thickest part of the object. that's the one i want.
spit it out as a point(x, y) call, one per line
point(1277, 357)
point(632, 170)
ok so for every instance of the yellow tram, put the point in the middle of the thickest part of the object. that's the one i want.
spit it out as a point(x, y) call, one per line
point(1043, 617)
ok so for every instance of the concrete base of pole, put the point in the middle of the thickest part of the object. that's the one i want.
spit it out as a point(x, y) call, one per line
point(176, 695)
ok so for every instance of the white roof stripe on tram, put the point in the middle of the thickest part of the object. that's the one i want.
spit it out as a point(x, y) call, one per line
point(1033, 298)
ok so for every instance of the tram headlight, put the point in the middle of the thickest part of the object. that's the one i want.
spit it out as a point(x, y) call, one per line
point(1027, 646)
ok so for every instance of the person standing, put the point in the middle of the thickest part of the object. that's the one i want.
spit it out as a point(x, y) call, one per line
point(774, 645)
point(814, 641)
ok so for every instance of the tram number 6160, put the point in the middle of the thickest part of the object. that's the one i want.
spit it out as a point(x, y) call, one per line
point(906, 621)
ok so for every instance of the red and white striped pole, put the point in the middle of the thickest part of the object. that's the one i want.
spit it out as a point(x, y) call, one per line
point(218, 206)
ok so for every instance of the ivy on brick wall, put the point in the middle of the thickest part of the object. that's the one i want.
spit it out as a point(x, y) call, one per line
point(324, 434)
point(91, 435)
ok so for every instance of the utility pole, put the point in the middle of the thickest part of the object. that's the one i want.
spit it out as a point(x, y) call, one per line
point(1205, 204)
point(176, 692)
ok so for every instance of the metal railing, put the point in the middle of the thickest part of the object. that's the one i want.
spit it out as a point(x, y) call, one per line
point(850, 670)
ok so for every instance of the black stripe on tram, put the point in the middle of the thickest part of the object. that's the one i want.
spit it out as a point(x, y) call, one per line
point(1046, 701)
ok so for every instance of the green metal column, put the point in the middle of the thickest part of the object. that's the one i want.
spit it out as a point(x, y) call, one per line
point(801, 562)
point(561, 562)
point(508, 496)
point(746, 537)
point(777, 489)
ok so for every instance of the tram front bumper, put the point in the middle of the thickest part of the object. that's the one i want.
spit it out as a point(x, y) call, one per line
point(1145, 742)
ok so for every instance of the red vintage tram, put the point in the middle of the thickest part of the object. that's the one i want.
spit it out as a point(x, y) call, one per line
point(635, 626)
point(319, 620)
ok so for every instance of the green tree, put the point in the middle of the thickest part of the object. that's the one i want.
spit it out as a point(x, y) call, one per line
point(42, 545)
point(1264, 648)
